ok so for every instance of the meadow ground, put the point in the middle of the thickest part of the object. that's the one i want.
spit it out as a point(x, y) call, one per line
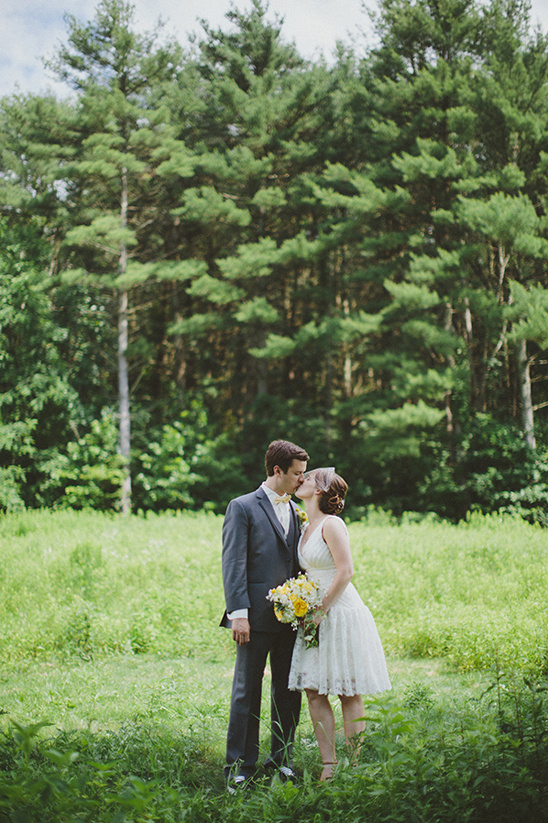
point(110, 639)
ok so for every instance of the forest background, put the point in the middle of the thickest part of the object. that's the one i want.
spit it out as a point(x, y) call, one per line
point(205, 249)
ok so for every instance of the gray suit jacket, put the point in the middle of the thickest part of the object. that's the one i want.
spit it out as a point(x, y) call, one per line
point(256, 557)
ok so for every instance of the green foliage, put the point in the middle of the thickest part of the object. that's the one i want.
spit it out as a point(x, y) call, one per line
point(477, 756)
point(37, 402)
point(187, 466)
point(91, 471)
point(357, 250)
point(494, 470)
point(529, 310)
point(11, 479)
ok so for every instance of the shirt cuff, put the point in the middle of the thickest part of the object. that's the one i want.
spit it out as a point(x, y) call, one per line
point(238, 613)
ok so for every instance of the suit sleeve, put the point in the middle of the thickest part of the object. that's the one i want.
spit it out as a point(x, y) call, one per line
point(234, 557)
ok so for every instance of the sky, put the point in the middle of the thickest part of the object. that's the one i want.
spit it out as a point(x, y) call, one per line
point(33, 29)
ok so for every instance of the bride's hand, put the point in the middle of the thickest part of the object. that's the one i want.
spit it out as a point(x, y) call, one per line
point(318, 616)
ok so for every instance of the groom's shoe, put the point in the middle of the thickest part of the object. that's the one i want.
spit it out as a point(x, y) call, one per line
point(236, 784)
point(285, 773)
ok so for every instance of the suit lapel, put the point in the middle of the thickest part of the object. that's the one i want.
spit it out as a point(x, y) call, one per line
point(293, 528)
point(293, 538)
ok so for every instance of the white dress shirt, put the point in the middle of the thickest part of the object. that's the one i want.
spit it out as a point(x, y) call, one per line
point(282, 512)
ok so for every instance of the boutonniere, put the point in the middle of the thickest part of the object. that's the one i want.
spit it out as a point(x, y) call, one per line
point(303, 519)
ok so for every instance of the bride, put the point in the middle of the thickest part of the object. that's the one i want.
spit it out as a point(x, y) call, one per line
point(349, 660)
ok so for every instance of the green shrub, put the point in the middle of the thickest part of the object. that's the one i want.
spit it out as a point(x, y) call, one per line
point(185, 465)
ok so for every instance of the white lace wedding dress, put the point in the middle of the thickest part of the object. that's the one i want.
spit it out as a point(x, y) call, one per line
point(349, 659)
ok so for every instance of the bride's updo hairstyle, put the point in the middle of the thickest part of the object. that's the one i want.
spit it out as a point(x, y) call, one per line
point(333, 490)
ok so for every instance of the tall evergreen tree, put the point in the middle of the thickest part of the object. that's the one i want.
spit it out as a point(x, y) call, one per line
point(416, 196)
point(265, 128)
point(115, 72)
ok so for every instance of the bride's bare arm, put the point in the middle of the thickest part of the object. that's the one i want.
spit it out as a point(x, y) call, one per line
point(336, 536)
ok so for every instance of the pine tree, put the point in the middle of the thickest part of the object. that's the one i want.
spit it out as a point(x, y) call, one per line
point(116, 74)
point(264, 130)
point(445, 199)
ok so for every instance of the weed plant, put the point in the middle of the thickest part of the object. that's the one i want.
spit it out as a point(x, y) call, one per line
point(472, 593)
point(88, 585)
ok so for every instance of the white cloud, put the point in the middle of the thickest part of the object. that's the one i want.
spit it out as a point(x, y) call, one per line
point(31, 30)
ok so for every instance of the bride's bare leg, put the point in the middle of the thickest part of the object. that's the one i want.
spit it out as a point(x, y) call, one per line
point(323, 721)
point(354, 725)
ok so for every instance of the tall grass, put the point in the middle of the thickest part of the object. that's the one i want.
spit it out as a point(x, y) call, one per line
point(473, 594)
point(93, 585)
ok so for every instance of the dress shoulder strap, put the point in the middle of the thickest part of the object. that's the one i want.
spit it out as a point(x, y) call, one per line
point(330, 517)
point(322, 524)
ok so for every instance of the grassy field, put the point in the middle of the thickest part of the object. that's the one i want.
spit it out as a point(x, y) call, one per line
point(110, 639)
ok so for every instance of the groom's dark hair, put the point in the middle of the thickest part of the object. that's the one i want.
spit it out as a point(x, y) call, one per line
point(282, 453)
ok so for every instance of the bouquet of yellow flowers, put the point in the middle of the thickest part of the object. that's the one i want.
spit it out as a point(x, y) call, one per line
point(296, 602)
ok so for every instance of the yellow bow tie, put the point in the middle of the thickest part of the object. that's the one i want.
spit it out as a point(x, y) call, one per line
point(284, 498)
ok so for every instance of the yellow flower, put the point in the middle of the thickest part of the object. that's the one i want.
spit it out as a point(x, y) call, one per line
point(300, 607)
point(303, 519)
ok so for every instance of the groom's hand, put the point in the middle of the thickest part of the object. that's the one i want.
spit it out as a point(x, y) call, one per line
point(240, 630)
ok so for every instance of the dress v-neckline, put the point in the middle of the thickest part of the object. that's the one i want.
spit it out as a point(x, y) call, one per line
point(315, 529)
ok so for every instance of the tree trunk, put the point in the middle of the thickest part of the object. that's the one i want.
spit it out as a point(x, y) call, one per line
point(328, 401)
point(123, 376)
point(448, 325)
point(476, 384)
point(524, 376)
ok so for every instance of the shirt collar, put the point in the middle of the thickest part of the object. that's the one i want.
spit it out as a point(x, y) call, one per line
point(272, 495)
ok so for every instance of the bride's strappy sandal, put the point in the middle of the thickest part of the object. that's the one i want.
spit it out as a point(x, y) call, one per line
point(328, 766)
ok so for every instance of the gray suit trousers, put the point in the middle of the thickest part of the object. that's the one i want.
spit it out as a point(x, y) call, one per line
point(243, 730)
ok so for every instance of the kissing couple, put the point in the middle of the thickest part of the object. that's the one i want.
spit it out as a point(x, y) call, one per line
point(266, 543)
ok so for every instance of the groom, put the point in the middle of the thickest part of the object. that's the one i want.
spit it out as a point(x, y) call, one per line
point(260, 536)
